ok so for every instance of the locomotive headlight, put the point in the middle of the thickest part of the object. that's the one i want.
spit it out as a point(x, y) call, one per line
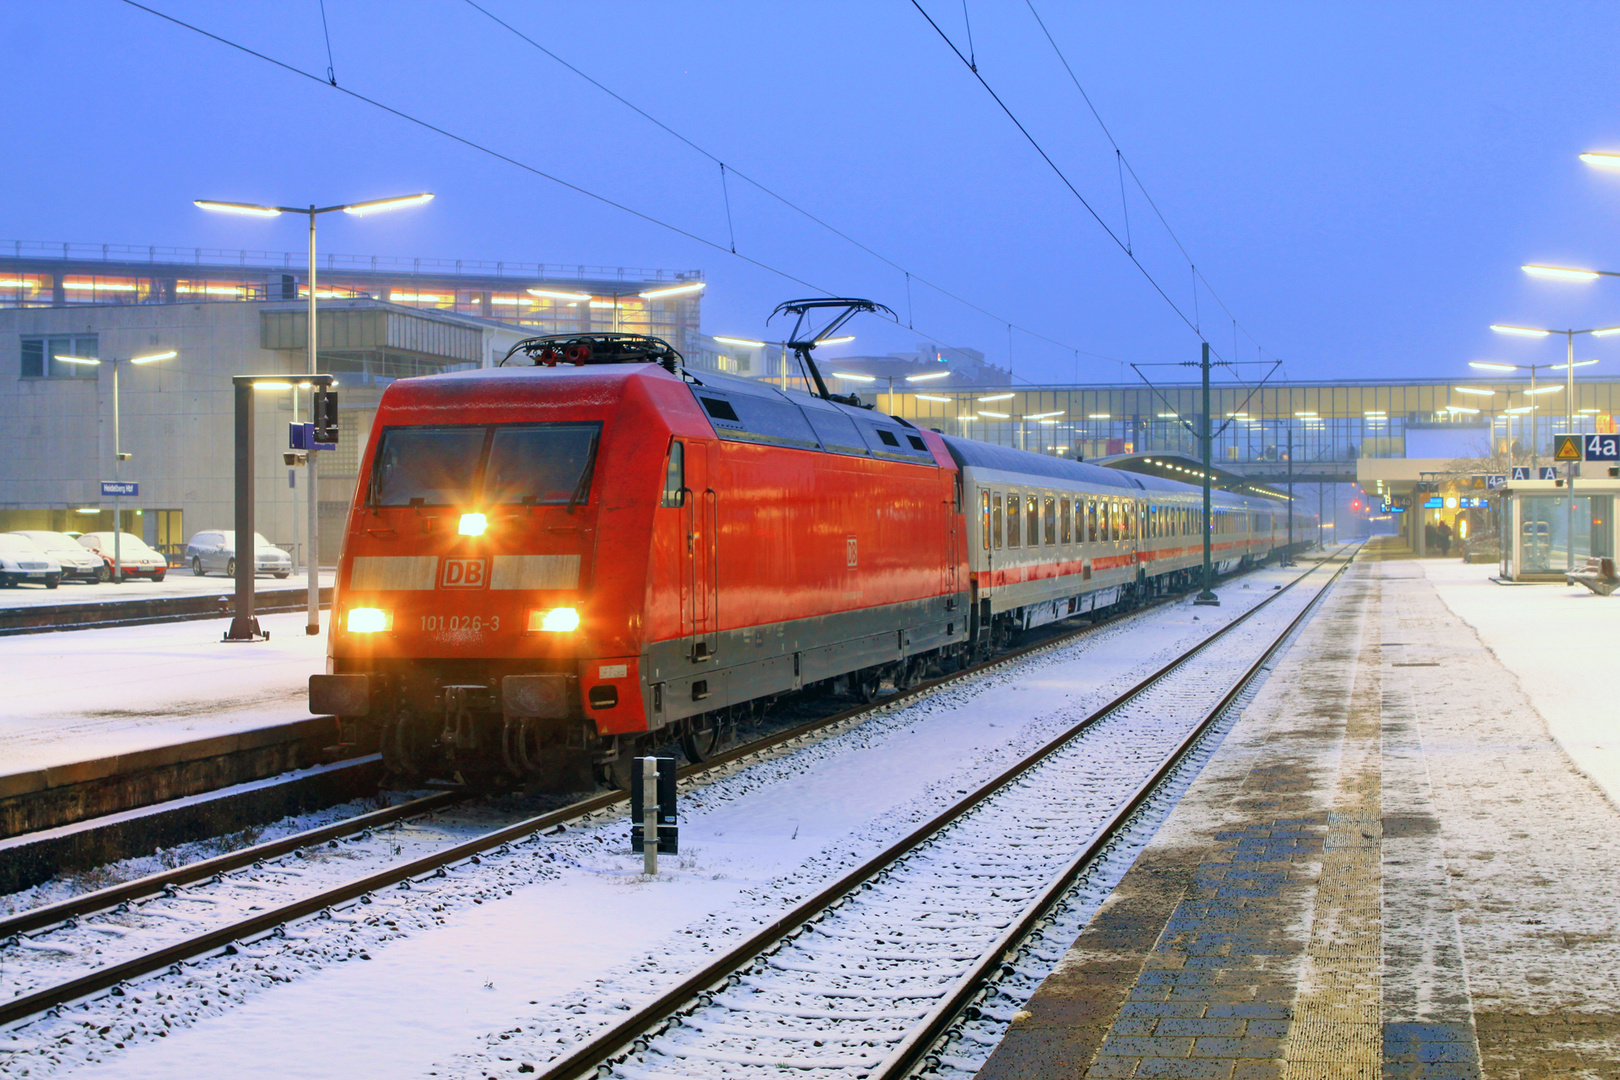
point(473, 525)
point(556, 621)
point(369, 620)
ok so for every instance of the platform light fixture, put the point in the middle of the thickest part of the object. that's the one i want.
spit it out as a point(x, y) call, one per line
point(1561, 273)
point(250, 209)
point(734, 340)
point(997, 415)
point(1460, 409)
point(997, 397)
point(854, 377)
point(378, 206)
point(1575, 364)
point(1599, 158)
point(1551, 388)
point(1475, 390)
point(1519, 331)
point(1099, 416)
point(844, 340)
point(272, 384)
point(933, 397)
point(1043, 415)
point(1521, 409)
point(929, 375)
point(1489, 365)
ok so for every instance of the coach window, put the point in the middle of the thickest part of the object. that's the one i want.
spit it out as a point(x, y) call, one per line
point(995, 517)
point(1068, 524)
point(984, 518)
point(1032, 517)
point(1051, 519)
point(1090, 525)
point(675, 476)
point(1015, 515)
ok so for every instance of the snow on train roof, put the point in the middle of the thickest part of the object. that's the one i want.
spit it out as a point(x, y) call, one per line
point(983, 455)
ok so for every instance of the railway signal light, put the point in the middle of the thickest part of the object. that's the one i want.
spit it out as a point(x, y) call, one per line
point(324, 411)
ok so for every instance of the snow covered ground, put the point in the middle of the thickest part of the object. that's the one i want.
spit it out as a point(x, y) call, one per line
point(1559, 641)
point(438, 972)
point(90, 694)
point(177, 582)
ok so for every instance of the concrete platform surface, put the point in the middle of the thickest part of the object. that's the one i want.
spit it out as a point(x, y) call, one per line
point(1391, 868)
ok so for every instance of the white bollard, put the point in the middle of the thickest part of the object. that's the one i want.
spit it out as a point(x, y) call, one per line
point(649, 815)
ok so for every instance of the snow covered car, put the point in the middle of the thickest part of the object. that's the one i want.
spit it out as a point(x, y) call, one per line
point(135, 558)
point(216, 550)
point(23, 560)
point(76, 561)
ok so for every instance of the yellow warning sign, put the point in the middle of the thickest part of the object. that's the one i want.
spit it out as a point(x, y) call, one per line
point(1567, 448)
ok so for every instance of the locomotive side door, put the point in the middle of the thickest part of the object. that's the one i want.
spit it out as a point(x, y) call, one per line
point(699, 577)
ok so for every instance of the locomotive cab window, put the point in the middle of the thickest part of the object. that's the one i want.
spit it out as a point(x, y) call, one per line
point(514, 464)
point(675, 476)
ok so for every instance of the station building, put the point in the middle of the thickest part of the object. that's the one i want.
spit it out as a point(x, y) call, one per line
point(1413, 453)
point(245, 313)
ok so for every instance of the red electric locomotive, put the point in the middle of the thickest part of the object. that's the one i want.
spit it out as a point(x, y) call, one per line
point(551, 568)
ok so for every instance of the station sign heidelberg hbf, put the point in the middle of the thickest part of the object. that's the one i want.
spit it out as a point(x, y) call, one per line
point(128, 488)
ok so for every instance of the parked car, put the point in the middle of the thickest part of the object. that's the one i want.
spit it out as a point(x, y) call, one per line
point(76, 561)
point(23, 560)
point(135, 558)
point(216, 550)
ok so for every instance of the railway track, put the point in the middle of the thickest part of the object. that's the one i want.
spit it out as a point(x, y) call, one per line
point(23, 930)
point(866, 975)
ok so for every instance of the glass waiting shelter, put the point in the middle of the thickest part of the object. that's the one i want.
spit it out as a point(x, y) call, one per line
point(1550, 528)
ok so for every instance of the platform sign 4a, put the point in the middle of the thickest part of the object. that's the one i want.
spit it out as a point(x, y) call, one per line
point(1549, 472)
point(1496, 480)
point(1600, 447)
point(1521, 472)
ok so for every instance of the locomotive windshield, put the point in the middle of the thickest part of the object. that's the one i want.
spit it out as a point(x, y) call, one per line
point(519, 464)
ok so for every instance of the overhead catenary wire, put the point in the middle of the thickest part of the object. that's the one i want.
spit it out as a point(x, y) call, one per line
point(1124, 164)
point(763, 189)
point(1058, 171)
point(507, 158)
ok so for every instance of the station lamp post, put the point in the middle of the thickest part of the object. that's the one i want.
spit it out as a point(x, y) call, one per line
point(361, 209)
point(1568, 366)
point(118, 447)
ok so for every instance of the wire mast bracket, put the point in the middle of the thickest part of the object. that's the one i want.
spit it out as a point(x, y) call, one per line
point(844, 309)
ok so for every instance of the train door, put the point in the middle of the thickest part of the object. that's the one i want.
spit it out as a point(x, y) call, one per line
point(949, 582)
point(699, 577)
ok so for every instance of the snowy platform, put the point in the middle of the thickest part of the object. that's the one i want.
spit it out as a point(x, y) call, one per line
point(177, 582)
point(95, 695)
point(1404, 860)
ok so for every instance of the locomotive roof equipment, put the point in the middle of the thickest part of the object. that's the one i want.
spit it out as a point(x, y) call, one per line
point(549, 350)
point(847, 307)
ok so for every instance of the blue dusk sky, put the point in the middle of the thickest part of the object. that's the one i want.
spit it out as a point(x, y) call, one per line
point(1359, 183)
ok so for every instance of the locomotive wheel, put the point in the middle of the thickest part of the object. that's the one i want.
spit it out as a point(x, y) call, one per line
point(701, 743)
point(407, 745)
point(910, 672)
point(867, 683)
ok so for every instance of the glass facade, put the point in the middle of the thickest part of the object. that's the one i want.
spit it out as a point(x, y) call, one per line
point(542, 298)
point(1324, 422)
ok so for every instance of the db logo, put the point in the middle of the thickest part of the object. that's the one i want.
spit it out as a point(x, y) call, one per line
point(463, 574)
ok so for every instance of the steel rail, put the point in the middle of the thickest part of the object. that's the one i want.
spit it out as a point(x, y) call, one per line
point(651, 1018)
point(113, 895)
point(939, 1020)
point(22, 1007)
